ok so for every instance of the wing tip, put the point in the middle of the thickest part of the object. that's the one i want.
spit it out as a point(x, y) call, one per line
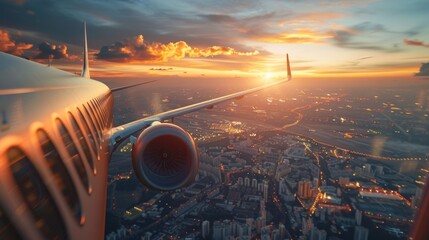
point(289, 72)
point(85, 68)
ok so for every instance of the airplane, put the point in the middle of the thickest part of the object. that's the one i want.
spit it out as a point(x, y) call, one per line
point(56, 140)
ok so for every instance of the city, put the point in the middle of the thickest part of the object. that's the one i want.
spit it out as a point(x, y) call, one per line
point(296, 169)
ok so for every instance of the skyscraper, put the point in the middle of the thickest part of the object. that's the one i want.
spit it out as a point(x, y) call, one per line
point(205, 229)
point(227, 229)
point(282, 231)
point(217, 230)
point(361, 233)
point(317, 234)
point(260, 187)
point(247, 182)
point(304, 189)
point(265, 190)
point(254, 183)
point(358, 217)
point(262, 210)
point(275, 235)
point(240, 181)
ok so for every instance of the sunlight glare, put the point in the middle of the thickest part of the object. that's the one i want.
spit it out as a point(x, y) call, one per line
point(268, 75)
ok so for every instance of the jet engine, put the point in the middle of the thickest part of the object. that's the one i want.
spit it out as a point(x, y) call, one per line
point(165, 157)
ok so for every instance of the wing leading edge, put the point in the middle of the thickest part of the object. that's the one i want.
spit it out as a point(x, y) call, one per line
point(120, 133)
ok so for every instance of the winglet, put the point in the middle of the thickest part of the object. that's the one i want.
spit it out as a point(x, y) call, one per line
point(85, 68)
point(289, 73)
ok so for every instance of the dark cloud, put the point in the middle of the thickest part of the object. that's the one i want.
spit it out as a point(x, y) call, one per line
point(416, 43)
point(364, 58)
point(10, 46)
point(424, 70)
point(47, 50)
point(116, 52)
point(219, 18)
point(138, 49)
point(62, 21)
point(352, 38)
point(369, 27)
point(15, 2)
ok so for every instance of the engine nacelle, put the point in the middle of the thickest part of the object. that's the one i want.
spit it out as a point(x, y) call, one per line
point(165, 157)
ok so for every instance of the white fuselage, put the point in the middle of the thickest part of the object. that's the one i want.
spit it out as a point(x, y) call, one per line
point(53, 181)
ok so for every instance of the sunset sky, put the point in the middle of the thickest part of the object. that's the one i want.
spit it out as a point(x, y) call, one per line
point(131, 38)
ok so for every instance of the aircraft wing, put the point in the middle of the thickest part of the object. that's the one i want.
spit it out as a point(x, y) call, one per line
point(122, 132)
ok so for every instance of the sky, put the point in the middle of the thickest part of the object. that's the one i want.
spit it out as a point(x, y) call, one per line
point(134, 38)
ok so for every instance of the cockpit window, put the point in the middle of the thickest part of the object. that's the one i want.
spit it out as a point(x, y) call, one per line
point(61, 176)
point(88, 131)
point(35, 193)
point(82, 141)
point(74, 154)
point(7, 230)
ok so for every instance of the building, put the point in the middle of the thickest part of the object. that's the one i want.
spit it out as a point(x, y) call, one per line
point(282, 231)
point(262, 210)
point(240, 181)
point(260, 187)
point(205, 229)
point(358, 217)
point(317, 234)
point(361, 233)
point(275, 235)
point(217, 230)
point(147, 236)
point(283, 169)
point(247, 182)
point(254, 183)
point(304, 189)
point(265, 190)
point(316, 182)
point(260, 223)
point(283, 190)
point(343, 181)
point(227, 229)
point(244, 231)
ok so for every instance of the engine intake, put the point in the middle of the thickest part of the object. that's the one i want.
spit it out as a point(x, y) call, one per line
point(165, 157)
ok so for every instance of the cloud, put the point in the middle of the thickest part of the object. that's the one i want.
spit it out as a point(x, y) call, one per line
point(138, 49)
point(416, 43)
point(274, 27)
point(47, 50)
point(298, 35)
point(356, 37)
point(9, 46)
point(424, 70)
point(15, 2)
point(161, 69)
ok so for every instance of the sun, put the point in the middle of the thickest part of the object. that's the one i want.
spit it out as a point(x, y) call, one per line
point(268, 75)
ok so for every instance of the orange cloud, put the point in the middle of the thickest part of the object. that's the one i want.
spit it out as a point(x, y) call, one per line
point(9, 46)
point(138, 50)
point(299, 35)
point(416, 43)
